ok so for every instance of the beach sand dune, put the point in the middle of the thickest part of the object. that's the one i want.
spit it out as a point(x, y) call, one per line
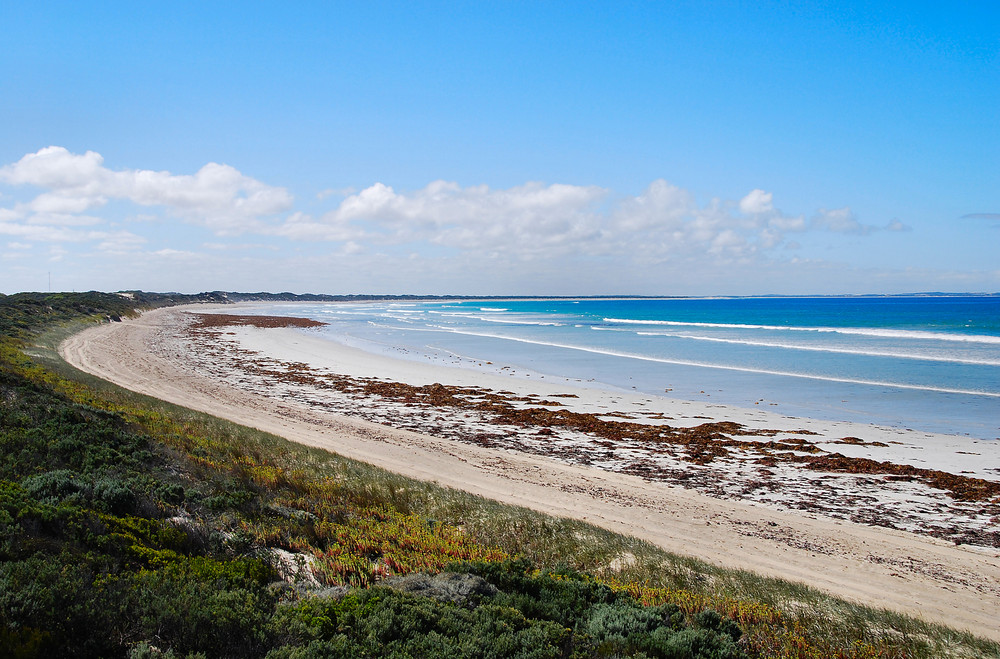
point(915, 574)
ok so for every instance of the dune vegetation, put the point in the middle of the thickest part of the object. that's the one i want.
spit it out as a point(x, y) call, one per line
point(131, 527)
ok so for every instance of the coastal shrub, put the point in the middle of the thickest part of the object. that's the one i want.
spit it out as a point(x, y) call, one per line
point(380, 621)
point(57, 596)
point(53, 487)
point(170, 493)
point(113, 495)
point(696, 644)
point(338, 647)
point(214, 608)
point(228, 500)
point(625, 628)
point(69, 487)
point(711, 620)
point(145, 532)
point(621, 620)
point(383, 622)
point(200, 606)
point(561, 595)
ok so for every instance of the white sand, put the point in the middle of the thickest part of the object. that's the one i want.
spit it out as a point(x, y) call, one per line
point(918, 575)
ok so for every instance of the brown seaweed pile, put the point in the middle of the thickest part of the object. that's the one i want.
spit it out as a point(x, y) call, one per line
point(207, 320)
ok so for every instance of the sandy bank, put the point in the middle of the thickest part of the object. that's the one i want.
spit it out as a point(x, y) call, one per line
point(918, 575)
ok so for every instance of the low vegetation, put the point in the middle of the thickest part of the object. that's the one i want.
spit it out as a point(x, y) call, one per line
point(129, 527)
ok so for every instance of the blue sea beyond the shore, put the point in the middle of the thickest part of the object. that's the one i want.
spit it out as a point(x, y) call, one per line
point(925, 363)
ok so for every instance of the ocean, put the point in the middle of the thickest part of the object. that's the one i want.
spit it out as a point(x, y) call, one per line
point(917, 362)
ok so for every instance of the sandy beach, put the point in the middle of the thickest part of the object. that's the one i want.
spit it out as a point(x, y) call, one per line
point(899, 519)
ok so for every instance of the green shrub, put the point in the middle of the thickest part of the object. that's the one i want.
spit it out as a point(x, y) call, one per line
point(623, 620)
point(59, 596)
point(113, 496)
point(561, 595)
point(338, 647)
point(711, 620)
point(383, 622)
point(53, 487)
point(694, 644)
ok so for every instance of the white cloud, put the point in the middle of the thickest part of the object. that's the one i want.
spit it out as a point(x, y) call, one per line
point(530, 217)
point(58, 235)
point(535, 221)
point(232, 247)
point(217, 195)
point(179, 254)
point(56, 168)
point(759, 205)
point(727, 240)
point(63, 220)
point(665, 223)
point(301, 226)
point(63, 204)
point(840, 220)
point(144, 217)
point(44, 234)
point(120, 242)
point(443, 203)
point(352, 248)
point(661, 206)
point(757, 202)
point(57, 253)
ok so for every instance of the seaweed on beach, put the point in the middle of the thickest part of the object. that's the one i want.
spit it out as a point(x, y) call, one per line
point(962, 488)
point(701, 444)
point(206, 320)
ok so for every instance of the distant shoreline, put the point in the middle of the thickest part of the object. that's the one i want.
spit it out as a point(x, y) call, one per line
point(321, 297)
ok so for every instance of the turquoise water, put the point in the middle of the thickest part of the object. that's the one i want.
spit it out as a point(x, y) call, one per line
point(930, 363)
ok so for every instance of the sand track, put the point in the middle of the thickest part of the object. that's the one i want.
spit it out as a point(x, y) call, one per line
point(919, 576)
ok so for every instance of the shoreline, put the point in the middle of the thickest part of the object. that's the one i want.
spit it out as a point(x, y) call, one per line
point(860, 382)
point(289, 345)
point(918, 575)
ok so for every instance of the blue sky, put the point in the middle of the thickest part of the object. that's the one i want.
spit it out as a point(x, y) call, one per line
point(500, 148)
